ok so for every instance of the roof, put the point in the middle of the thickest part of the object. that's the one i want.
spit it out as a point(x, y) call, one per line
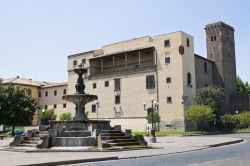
point(55, 84)
point(21, 81)
point(196, 55)
point(220, 23)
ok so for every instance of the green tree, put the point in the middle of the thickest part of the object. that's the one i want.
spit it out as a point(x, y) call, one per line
point(16, 108)
point(243, 87)
point(66, 116)
point(200, 114)
point(244, 119)
point(47, 116)
point(229, 122)
point(211, 96)
point(153, 117)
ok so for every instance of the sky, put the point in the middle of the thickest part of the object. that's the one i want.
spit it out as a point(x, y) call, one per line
point(37, 36)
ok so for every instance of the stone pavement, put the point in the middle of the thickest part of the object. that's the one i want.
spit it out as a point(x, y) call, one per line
point(164, 145)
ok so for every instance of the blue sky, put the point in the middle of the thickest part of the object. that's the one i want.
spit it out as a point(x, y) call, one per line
point(37, 36)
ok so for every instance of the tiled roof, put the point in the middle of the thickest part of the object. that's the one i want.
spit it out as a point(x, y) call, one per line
point(21, 81)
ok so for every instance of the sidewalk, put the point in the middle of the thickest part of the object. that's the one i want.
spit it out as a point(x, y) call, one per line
point(164, 145)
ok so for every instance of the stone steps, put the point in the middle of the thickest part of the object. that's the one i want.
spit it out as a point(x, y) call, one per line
point(27, 145)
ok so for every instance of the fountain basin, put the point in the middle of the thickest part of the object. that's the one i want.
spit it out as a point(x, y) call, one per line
point(73, 141)
point(79, 98)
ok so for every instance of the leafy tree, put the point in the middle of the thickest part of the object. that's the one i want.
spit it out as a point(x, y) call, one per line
point(66, 116)
point(153, 116)
point(243, 87)
point(46, 116)
point(244, 118)
point(200, 113)
point(16, 108)
point(229, 122)
point(211, 96)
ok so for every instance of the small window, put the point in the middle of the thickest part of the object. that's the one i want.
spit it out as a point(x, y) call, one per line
point(64, 91)
point(39, 94)
point(167, 60)
point(205, 67)
point(187, 42)
point(117, 84)
point(150, 82)
point(75, 63)
point(167, 43)
point(55, 92)
point(189, 79)
point(212, 39)
point(83, 61)
point(55, 106)
point(45, 107)
point(46, 93)
point(64, 105)
point(29, 92)
point(168, 80)
point(169, 100)
point(94, 85)
point(93, 109)
point(117, 99)
point(106, 84)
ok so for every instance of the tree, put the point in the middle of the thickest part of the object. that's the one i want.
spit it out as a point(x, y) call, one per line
point(229, 122)
point(153, 116)
point(244, 118)
point(16, 108)
point(211, 96)
point(200, 113)
point(243, 87)
point(66, 116)
point(47, 116)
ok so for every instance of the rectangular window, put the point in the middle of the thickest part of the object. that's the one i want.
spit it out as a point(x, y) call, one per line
point(205, 67)
point(39, 94)
point(83, 61)
point(94, 85)
point(45, 107)
point(46, 93)
point(187, 42)
point(117, 99)
point(167, 60)
point(212, 39)
point(55, 92)
point(55, 106)
point(169, 100)
point(64, 91)
point(106, 83)
point(75, 63)
point(168, 80)
point(93, 110)
point(167, 43)
point(64, 105)
point(150, 82)
point(117, 84)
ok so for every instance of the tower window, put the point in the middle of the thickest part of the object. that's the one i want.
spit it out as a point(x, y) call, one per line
point(169, 100)
point(205, 67)
point(106, 83)
point(187, 42)
point(150, 82)
point(94, 85)
point(168, 80)
point(189, 79)
point(117, 99)
point(167, 43)
point(212, 39)
point(167, 60)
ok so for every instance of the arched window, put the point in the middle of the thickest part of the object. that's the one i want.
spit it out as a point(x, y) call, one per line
point(189, 79)
point(205, 67)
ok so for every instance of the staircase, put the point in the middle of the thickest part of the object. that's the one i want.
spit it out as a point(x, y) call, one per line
point(29, 141)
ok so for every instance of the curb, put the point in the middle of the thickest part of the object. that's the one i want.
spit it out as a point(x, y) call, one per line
point(227, 143)
point(72, 161)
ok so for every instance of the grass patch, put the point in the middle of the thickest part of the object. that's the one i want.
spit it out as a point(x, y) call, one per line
point(162, 133)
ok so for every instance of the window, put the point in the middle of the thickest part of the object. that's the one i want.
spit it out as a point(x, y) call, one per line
point(29, 92)
point(205, 67)
point(94, 85)
point(167, 43)
point(45, 107)
point(106, 84)
point(64, 91)
point(117, 84)
point(64, 105)
point(212, 39)
point(83, 61)
point(150, 82)
point(169, 100)
point(75, 63)
point(168, 80)
point(93, 109)
point(39, 94)
point(117, 99)
point(46, 93)
point(55, 92)
point(167, 60)
point(54, 106)
point(187, 42)
point(189, 79)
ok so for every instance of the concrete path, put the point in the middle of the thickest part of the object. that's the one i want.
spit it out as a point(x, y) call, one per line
point(164, 145)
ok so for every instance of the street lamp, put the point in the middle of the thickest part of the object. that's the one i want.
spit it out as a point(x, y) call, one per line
point(154, 107)
point(97, 106)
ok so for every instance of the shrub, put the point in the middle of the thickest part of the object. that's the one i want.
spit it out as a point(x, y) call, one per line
point(229, 122)
point(47, 116)
point(244, 119)
point(66, 116)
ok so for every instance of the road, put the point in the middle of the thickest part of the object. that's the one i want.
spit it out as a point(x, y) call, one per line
point(230, 155)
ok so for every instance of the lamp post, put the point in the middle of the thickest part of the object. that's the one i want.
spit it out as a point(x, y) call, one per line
point(97, 106)
point(154, 107)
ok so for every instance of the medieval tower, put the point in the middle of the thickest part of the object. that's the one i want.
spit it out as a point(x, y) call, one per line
point(221, 50)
